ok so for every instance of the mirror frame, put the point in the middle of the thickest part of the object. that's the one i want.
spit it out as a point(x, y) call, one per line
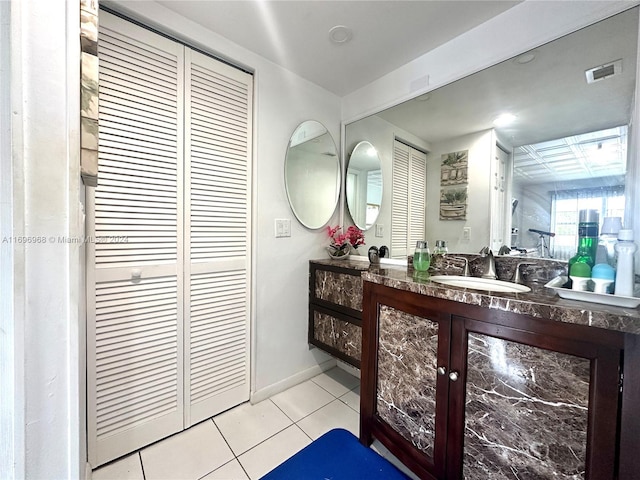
point(313, 175)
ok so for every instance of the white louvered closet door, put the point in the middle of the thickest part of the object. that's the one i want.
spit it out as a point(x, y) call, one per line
point(218, 140)
point(408, 199)
point(168, 284)
point(399, 201)
point(417, 196)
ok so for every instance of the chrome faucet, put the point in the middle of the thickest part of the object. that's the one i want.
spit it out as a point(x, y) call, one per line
point(489, 264)
point(465, 272)
point(517, 275)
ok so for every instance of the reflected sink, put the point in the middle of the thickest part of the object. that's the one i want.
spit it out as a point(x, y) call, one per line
point(476, 283)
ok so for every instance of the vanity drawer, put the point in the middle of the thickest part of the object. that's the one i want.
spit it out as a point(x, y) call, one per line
point(337, 334)
point(336, 287)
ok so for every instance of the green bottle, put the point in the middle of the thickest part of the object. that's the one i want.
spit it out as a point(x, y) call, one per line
point(587, 238)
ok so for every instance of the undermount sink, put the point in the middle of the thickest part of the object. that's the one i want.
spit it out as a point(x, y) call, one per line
point(476, 283)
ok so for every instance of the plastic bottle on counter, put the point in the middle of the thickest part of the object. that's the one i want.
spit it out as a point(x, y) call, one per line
point(625, 248)
point(602, 275)
point(607, 241)
point(580, 274)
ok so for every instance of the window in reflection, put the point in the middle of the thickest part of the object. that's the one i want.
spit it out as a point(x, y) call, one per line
point(608, 201)
point(556, 179)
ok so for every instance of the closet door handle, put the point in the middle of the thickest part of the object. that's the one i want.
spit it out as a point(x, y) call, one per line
point(442, 370)
point(453, 376)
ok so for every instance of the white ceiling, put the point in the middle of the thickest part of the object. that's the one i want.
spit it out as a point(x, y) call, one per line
point(553, 103)
point(295, 34)
point(548, 95)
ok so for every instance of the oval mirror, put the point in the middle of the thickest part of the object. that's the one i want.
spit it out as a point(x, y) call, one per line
point(364, 185)
point(312, 174)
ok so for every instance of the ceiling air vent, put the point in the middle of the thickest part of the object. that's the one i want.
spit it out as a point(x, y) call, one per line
point(604, 71)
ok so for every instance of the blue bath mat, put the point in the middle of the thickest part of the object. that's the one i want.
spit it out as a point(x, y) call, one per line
point(336, 455)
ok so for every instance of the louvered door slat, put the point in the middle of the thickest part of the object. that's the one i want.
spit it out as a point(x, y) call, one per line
point(116, 107)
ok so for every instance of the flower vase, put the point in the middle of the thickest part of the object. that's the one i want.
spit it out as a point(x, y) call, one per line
point(339, 253)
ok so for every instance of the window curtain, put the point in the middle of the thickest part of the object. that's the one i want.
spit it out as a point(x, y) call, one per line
point(565, 208)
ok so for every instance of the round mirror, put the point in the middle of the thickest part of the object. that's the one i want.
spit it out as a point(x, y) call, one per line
point(364, 185)
point(312, 174)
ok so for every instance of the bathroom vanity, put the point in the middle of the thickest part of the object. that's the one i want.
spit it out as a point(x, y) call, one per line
point(459, 383)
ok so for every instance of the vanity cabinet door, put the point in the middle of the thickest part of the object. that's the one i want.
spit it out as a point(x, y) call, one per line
point(535, 406)
point(404, 394)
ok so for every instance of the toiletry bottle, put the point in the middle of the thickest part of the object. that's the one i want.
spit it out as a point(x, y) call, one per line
point(587, 238)
point(441, 248)
point(580, 274)
point(422, 256)
point(607, 241)
point(625, 248)
point(602, 276)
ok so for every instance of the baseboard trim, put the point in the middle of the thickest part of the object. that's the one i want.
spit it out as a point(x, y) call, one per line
point(291, 381)
point(349, 368)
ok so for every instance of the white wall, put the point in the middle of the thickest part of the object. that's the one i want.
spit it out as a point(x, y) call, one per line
point(381, 134)
point(41, 290)
point(533, 211)
point(478, 191)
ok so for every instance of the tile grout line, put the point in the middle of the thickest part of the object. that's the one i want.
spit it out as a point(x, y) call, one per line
point(236, 457)
point(144, 477)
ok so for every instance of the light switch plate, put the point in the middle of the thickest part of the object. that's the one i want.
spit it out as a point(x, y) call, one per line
point(283, 227)
point(379, 230)
point(466, 234)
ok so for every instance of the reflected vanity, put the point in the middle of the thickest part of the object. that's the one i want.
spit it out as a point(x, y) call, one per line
point(312, 174)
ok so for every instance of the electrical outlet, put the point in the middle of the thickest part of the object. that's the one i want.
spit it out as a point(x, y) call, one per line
point(466, 234)
point(379, 231)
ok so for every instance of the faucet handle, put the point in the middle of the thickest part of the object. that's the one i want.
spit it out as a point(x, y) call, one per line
point(465, 272)
point(517, 275)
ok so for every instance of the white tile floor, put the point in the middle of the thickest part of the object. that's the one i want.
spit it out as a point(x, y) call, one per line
point(249, 440)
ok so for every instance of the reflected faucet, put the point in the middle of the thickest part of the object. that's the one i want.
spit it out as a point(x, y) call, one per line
point(517, 275)
point(489, 264)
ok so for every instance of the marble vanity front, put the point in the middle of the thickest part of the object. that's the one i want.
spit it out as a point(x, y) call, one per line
point(524, 402)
